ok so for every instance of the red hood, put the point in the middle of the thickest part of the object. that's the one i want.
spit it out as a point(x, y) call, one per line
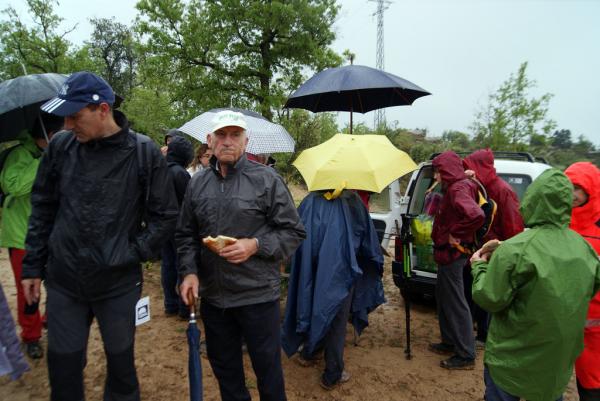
point(450, 167)
point(587, 176)
point(482, 163)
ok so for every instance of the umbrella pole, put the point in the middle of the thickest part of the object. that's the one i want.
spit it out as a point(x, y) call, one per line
point(43, 128)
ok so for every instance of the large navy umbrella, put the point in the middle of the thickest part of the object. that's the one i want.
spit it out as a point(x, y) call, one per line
point(20, 100)
point(354, 88)
point(194, 365)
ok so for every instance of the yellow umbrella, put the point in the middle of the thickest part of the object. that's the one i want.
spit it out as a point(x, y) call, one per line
point(367, 162)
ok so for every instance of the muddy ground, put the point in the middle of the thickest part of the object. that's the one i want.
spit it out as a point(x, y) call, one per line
point(377, 364)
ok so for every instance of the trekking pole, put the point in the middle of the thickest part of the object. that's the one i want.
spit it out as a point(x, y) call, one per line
point(406, 273)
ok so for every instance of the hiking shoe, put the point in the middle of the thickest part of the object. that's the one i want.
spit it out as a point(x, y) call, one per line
point(306, 363)
point(456, 362)
point(34, 350)
point(441, 348)
point(343, 379)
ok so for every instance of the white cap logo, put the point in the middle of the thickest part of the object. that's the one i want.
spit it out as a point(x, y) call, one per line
point(95, 97)
point(63, 90)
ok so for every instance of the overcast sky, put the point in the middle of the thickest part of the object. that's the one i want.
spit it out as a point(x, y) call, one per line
point(459, 50)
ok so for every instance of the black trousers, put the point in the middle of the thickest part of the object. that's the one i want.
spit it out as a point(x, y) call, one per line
point(454, 315)
point(479, 315)
point(588, 394)
point(258, 325)
point(69, 321)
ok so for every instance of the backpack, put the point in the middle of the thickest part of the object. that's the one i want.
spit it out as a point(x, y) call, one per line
point(3, 156)
point(489, 207)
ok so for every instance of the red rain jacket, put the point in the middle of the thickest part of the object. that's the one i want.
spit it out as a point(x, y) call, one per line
point(508, 221)
point(583, 221)
point(458, 214)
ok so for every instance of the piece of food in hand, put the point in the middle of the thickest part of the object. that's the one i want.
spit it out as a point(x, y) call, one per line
point(215, 244)
point(490, 246)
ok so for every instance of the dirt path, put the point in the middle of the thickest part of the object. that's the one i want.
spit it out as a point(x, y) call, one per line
point(377, 365)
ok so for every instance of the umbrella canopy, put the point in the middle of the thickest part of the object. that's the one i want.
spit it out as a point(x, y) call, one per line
point(264, 136)
point(366, 162)
point(354, 88)
point(20, 100)
point(194, 365)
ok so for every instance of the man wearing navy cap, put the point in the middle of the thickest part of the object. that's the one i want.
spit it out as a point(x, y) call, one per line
point(95, 184)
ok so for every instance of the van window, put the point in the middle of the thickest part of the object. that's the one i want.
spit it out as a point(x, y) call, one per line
point(421, 184)
point(380, 202)
point(518, 182)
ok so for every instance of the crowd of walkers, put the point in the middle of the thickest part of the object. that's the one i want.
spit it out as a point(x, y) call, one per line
point(81, 213)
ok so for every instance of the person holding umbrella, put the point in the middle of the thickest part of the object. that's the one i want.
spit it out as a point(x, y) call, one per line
point(16, 180)
point(239, 284)
point(102, 202)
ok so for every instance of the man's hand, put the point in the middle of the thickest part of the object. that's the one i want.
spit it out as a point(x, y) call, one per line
point(189, 289)
point(480, 257)
point(452, 240)
point(31, 289)
point(240, 251)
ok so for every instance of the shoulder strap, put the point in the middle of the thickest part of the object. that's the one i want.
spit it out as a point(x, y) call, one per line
point(144, 158)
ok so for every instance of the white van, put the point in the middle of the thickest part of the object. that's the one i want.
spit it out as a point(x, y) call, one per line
point(519, 169)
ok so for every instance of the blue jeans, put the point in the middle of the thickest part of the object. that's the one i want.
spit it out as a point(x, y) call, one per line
point(495, 393)
point(169, 278)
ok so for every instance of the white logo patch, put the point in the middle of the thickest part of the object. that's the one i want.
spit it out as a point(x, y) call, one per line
point(95, 97)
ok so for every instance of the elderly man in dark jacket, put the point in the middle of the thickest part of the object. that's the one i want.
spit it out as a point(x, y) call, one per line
point(455, 224)
point(95, 185)
point(239, 285)
point(179, 155)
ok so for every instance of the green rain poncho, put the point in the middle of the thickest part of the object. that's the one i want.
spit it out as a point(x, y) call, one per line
point(16, 179)
point(537, 286)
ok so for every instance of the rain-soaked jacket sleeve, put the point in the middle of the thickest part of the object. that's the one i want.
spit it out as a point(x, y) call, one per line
point(494, 284)
point(19, 172)
point(44, 205)
point(286, 230)
point(187, 237)
point(471, 215)
point(161, 210)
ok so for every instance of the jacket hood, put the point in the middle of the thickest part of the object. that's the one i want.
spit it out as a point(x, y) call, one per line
point(482, 163)
point(180, 151)
point(450, 167)
point(173, 132)
point(587, 176)
point(548, 200)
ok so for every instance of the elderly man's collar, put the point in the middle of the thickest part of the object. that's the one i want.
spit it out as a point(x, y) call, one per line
point(232, 168)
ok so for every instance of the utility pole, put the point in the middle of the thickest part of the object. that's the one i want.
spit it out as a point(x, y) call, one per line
point(382, 5)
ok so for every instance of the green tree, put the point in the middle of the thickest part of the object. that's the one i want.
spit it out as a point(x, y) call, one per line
point(244, 52)
point(116, 52)
point(512, 117)
point(37, 49)
point(308, 130)
point(562, 139)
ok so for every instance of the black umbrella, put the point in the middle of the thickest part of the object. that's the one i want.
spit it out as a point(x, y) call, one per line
point(354, 88)
point(20, 101)
point(194, 364)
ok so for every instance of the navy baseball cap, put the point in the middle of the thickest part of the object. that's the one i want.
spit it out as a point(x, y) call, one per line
point(79, 90)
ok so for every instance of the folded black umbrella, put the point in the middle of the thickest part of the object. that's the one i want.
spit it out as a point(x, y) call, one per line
point(20, 101)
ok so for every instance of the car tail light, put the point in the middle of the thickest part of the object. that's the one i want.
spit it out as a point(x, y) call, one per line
point(398, 249)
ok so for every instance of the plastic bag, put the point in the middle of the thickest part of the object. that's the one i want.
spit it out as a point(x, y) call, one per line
point(421, 228)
